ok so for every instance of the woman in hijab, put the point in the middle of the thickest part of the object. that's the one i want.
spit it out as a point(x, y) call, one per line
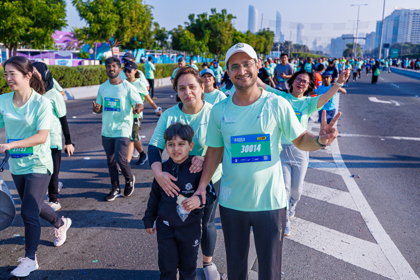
point(375, 73)
point(58, 122)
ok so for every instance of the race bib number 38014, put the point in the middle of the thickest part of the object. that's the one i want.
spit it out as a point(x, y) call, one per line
point(112, 104)
point(250, 148)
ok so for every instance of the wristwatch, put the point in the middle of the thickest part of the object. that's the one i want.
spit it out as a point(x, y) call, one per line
point(158, 109)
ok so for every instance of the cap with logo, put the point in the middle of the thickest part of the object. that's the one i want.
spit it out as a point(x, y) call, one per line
point(129, 65)
point(241, 47)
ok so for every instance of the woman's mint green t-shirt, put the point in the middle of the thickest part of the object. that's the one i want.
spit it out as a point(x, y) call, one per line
point(59, 110)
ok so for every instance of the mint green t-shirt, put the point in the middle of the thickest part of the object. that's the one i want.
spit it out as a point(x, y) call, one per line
point(194, 66)
point(252, 177)
point(24, 122)
point(214, 97)
point(198, 122)
point(217, 73)
point(142, 90)
point(59, 110)
point(228, 91)
point(303, 107)
point(149, 68)
point(57, 86)
point(117, 113)
point(142, 78)
point(174, 73)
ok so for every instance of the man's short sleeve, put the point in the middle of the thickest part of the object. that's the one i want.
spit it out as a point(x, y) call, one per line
point(290, 125)
point(99, 99)
point(214, 136)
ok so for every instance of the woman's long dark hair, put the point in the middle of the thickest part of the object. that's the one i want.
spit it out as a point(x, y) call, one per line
point(45, 74)
point(311, 81)
point(24, 66)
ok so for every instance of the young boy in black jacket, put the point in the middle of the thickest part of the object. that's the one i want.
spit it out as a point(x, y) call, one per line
point(178, 219)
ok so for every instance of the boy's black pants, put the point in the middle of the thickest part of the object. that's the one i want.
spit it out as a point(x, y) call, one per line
point(178, 249)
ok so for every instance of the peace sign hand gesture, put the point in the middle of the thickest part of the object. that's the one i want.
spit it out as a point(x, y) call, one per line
point(138, 108)
point(328, 132)
point(344, 76)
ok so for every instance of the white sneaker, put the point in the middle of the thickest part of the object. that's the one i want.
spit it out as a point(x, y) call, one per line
point(25, 267)
point(61, 232)
point(211, 273)
point(56, 206)
point(135, 154)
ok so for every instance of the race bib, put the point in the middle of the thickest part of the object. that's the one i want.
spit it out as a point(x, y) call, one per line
point(20, 152)
point(250, 148)
point(281, 80)
point(298, 115)
point(112, 104)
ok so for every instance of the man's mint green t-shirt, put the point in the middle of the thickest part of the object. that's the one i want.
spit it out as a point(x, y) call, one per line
point(142, 90)
point(149, 68)
point(198, 122)
point(252, 177)
point(214, 97)
point(59, 110)
point(174, 73)
point(117, 113)
point(194, 66)
point(24, 122)
point(303, 107)
point(217, 73)
point(57, 86)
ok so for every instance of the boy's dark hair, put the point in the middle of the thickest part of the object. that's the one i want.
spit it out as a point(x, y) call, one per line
point(320, 67)
point(184, 131)
point(110, 60)
point(284, 54)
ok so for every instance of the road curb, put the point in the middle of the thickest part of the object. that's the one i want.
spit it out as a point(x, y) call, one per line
point(406, 72)
point(91, 91)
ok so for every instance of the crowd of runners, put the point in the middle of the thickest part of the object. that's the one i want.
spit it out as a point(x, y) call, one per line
point(237, 139)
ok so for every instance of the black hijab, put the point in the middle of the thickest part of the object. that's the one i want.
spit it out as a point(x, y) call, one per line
point(46, 75)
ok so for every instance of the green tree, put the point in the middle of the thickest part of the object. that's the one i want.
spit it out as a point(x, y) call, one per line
point(350, 52)
point(268, 35)
point(161, 35)
point(221, 28)
point(115, 21)
point(30, 22)
point(238, 37)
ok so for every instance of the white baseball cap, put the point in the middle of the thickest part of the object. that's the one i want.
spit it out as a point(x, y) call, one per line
point(241, 47)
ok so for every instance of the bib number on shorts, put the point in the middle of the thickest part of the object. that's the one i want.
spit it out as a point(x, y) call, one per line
point(20, 152)
point(112, 104)
point(250, 148)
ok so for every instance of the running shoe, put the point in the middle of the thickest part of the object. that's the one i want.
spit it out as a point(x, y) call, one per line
point(142, 160)
point(114, 193)
point(287, 229)
point(25, 267)
point(135, 154)
point(292, 210)
point(56, 206)
point(61, 232)
point(211, 273)
point(129, 187)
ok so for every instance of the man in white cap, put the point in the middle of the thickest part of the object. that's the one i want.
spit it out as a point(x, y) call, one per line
point(245, 130)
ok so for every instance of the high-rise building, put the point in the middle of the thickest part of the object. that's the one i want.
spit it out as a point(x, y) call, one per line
point(338, 45)
point(401, 26)
point(279, 35)
point(252, 19)
point(299, 34)
point(370, 42)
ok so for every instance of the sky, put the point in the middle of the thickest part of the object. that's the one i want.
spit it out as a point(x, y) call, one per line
point(337, 16)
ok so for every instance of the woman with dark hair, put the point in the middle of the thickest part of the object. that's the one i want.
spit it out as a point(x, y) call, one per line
point(27, 115)
point(58, 123)
point(375, 73)
point(194, 111)
point(211, 94)
point(294, 161)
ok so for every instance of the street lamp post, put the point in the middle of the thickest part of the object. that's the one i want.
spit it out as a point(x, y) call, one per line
point(357, 25)
point(382, 31)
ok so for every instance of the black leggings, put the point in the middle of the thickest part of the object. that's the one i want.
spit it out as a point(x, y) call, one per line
point(31, 189)
point(53, 186)
point(209, 235)
point(268, 228)
point(116, 152)
point(152, 87)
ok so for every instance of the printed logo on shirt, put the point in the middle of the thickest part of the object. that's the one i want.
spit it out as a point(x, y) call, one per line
point(166, 223)
point(225, 193)
point(188, 187)
point(204, 123)
point(228, 120)
point(259, 117)
point(196, 243)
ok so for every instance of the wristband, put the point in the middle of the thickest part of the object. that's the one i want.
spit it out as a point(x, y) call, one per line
point(201, 201)
point(338, 84)
point(321, 145)
point(158, 109)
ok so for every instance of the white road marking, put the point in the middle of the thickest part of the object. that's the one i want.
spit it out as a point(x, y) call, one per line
point(350, 249)
point(329, 195)
point(394, 85)
point(376, 100)
point(382, 137)
point(395, 102)
point(380, 78)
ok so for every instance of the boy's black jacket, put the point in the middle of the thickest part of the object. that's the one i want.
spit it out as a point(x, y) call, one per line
point(163, 206)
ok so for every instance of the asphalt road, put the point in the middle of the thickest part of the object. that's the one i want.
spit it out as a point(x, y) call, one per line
point(345, 228)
